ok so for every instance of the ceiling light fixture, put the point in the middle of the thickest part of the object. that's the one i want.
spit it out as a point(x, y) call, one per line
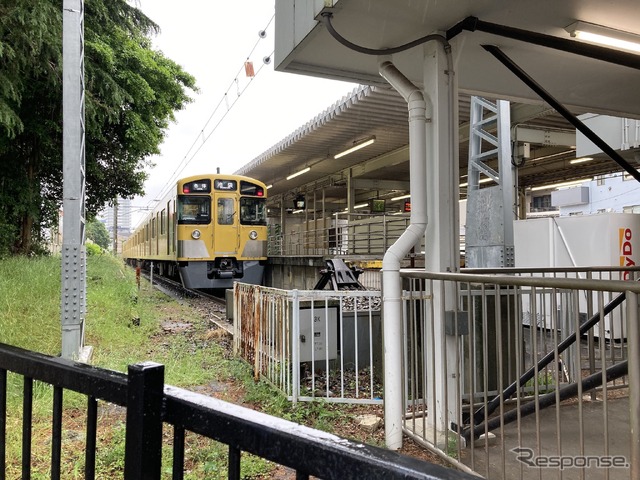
point(399, 198)
point(269, 186)
point(356, 146)
point(362, 205)
point(564, 152)
point(562, 184)
point(581, 160)
point(294, 175)
point(482, 180)
point(592, 33)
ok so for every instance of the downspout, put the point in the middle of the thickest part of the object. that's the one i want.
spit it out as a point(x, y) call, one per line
point(391, 285)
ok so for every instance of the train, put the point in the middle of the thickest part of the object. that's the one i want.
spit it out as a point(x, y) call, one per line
point(209, 232)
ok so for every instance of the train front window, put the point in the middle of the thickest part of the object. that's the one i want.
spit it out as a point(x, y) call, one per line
point(194, 210)
point(253, 211)
point(225, 211)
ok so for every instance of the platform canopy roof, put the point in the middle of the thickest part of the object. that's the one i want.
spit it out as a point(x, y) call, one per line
point(535, 35)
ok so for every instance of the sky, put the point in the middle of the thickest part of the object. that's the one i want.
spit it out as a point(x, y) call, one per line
point(233, 119)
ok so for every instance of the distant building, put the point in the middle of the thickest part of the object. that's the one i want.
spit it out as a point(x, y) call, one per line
point(108, 217)
point(617, 192)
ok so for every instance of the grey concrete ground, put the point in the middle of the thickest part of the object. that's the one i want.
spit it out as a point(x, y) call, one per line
point(580, 434)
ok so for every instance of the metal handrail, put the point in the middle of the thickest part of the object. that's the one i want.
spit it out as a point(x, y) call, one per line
point(150, 404)
point(518, 281)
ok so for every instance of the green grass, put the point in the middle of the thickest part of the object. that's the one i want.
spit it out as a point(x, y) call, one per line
point(124, 326)
point(29, 299)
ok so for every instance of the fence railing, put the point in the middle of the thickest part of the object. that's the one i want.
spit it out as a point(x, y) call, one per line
point(341, 235)
point(312, 344)
point(513, 370)
point(150, 404)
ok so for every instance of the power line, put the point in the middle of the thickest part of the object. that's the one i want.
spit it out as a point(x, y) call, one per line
point(201, 137)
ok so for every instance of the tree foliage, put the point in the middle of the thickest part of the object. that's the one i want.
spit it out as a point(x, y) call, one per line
point(97, 233)
point(131, 94)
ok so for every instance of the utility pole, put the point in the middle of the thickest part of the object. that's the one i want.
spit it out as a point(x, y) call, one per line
point(115, 226)
point(73, 302)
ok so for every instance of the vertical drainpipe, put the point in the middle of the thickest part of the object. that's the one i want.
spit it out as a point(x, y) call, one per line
point(391, 286)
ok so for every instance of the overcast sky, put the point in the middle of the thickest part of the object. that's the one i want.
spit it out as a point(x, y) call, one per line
point(211, 40)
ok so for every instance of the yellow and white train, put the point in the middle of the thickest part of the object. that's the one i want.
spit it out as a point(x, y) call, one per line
point(209, 232)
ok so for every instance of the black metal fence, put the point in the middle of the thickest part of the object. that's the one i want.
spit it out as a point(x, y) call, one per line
point(150, 404)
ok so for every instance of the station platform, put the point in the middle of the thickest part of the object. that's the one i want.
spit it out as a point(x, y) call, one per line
point(303, 272)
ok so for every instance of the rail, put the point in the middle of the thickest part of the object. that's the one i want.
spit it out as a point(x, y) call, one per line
point(509, 371)
point(340, 235)
point(150, 404)
point(338, 353)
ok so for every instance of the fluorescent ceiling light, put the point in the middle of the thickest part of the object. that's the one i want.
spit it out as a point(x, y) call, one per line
point(400, 198)
point(566, 152)
point(269, 186)
point(293, 175)
point(482, 180)
point(356, 146)
point(562, 184)
point(581, 160)
point(362, 205)
point(610, 37)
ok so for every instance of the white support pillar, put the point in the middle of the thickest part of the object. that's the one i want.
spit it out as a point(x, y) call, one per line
point(442, 242)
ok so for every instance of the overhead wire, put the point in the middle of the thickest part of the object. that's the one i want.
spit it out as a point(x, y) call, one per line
point(201, 136)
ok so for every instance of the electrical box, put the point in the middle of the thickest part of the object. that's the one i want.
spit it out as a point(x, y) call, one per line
point(318, 334)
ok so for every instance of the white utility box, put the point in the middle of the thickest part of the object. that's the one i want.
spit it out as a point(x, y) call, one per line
point(318, 334)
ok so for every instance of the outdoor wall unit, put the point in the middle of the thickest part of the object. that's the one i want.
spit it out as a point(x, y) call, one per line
point(570, 196)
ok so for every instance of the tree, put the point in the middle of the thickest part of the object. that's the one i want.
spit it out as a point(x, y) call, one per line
point(97, 233)
point(132, 92)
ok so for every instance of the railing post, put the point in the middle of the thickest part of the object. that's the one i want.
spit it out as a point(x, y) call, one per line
point(295, 346)
point(143, 442)
point(633, 339)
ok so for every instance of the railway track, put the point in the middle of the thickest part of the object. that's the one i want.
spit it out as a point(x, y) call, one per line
point(213, 307)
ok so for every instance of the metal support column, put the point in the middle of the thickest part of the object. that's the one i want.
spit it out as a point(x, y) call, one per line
point(633, 340)
point(73, 248)
point(490, 210)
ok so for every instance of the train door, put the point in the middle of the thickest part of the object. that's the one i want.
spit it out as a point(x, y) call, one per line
point(225, 232)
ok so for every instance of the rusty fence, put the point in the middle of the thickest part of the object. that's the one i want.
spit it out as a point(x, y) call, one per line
point(312, 344)
point(525, 373)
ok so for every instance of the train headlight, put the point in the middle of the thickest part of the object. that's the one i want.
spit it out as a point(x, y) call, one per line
point(195, 234)
point(253, 234)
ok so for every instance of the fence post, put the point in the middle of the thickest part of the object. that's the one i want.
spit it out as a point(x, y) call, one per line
point(633, 339)
point(295, 346)
point(143, 441)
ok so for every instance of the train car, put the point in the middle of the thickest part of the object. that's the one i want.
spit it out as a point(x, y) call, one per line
point(210, 232)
